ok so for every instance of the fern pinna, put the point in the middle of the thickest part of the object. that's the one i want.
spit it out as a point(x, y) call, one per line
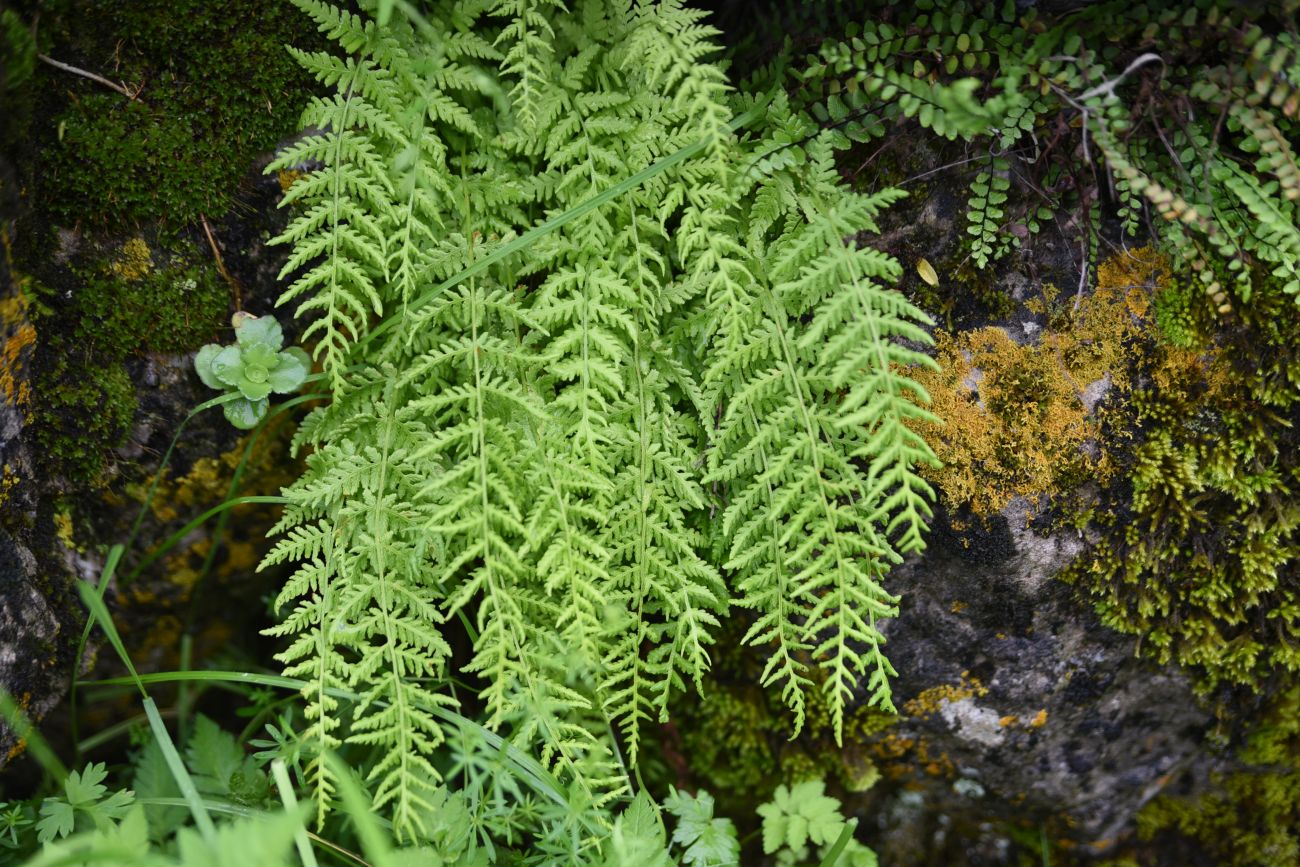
point(587, 449)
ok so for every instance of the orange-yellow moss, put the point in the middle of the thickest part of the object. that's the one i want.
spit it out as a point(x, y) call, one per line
point(1012, 421)
point(286, 177)
point(1015, 422)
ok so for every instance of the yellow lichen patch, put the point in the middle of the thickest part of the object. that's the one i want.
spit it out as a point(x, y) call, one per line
point(19, 335)
point(1039, 720)
point(159, 647)
point(8, 481)
point(1008, 721)
point(177, 567)
point(63, 530)
point(1017, 418)
point(13, 310)
point(205, 484)
point(930, 700)
point(134, 262)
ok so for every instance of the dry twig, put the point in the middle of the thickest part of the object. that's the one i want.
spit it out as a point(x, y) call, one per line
point(121, 88)
point(221, 264)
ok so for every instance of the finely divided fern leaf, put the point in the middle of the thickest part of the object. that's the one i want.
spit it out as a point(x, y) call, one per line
point(554, 450)
point(812, 379)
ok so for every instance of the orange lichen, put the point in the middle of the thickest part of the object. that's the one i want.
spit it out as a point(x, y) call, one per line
point(19, 336)
point(900, 757)
point(930, 700)
point(1008, 721)
point(1039, 720)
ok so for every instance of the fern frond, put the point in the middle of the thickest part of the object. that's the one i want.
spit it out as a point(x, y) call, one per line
point(528, 58)
point(811, 379)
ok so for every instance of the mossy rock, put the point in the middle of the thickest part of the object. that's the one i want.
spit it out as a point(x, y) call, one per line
point(171, 302)
point(216, 87)
point(77, 418)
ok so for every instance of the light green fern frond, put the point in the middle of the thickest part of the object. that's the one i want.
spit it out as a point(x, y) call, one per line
point(818, 381)
point(366, 618)
point(527, 59)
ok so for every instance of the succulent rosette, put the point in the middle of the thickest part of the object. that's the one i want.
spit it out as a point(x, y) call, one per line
point(254, 366)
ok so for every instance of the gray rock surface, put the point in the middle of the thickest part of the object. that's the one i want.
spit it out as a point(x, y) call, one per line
point(36, 614)
point(1031, 708)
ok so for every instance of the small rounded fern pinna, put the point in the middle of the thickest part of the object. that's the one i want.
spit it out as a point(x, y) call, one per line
point(254, 367)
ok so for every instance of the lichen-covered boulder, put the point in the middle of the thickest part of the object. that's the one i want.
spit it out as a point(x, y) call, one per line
point(1101, 618)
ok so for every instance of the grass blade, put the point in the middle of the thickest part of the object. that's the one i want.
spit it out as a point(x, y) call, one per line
point(182, 777)
point(374, 842)
point(290, 801)
point(841, 843)
point(99, 611)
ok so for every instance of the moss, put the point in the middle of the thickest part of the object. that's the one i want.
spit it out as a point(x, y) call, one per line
point(1251, 816)
point(738, 737)
point(145, 302)
point(1177, 316)
point(84, 409)
point(217, 89)
point(1199, 548)
point(1022, 419)
point(133, 299)
point(1012, 421)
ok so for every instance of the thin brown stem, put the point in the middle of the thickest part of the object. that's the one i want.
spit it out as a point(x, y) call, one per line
point(221, 264)
point(347, 853)
point(98, 79)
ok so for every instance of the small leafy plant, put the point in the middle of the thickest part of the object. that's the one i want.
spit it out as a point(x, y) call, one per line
point(254, 366)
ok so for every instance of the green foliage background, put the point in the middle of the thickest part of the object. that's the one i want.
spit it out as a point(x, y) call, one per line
point(608, 348)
